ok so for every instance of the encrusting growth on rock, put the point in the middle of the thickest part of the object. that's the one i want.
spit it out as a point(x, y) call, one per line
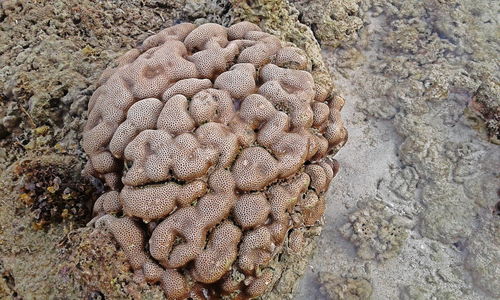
point(208, 139)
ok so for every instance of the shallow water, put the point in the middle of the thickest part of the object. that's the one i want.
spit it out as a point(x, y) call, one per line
point(413, 151)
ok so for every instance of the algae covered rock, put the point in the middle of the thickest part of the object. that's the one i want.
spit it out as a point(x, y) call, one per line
point(486, 104)
point(376, 233)
point(336, 287)
point(334, 22)
point(52, 191)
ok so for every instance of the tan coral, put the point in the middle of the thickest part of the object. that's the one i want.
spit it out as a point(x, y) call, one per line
point(296, 240)
point(251, 210)
point(186, 87)
point(174, 284)
point(239, 81)
point(259, 285)
point(130, 237)
point(218, 257)
point(238, 31)
point(155, 202)
point(111, 202)
point(212, 142)
point(291, 57)
point(141, 115)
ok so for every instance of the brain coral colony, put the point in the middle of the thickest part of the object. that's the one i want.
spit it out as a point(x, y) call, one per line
point(214, 144)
